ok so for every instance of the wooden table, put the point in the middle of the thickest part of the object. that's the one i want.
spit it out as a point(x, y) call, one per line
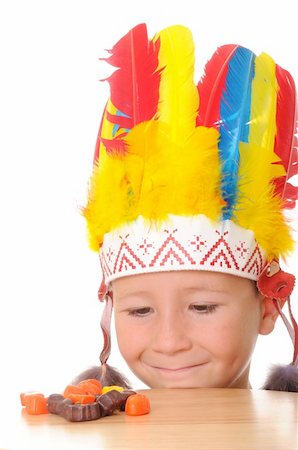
point(179, 419)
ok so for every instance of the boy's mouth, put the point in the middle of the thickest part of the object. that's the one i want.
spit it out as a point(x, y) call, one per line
point(177, 370)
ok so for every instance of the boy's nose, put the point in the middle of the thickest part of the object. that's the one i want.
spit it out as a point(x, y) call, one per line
point(171, 336)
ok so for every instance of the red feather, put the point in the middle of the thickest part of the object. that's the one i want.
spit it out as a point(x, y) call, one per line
point(135, 84)
point(212, 85)
point(115, 145)
point(286, 142)
point(121, 121)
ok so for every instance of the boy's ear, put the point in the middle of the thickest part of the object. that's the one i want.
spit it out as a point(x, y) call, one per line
point(269, 315)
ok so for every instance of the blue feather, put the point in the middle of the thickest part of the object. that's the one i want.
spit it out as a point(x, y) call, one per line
point(234, 122)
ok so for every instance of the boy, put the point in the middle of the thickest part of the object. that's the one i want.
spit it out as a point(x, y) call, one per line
point(186, 208)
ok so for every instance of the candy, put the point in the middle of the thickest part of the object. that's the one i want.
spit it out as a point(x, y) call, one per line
point(87, 400)
point(73, 412)
point(24, 396)
point(91, 387)
point(82, 398)
point(137, 405)
point(81, 413)
point(91, 381)
point(35, 404)
point(112, 388)
point(55, 403)
point(72, 389)
point(125, 394)
point(105, 405)
point(110, 401)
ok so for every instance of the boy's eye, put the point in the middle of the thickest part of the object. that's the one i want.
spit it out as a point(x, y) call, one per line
point(140, 312)
point(204, 309)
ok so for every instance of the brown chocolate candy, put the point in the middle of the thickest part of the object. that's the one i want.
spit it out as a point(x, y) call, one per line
point(81, 413)
point(55, 403)
point(109, 401)
point(112, 400)
point(61, 408)
point(104, 405)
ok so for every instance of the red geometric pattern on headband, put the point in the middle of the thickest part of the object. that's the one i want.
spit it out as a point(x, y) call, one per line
point(126, 257)
point(220, 253)
point(254, 263)
point(198, 243)
point(242, 250)
point(167, 252)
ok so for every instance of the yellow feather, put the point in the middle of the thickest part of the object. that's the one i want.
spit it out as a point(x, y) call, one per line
point(262, 129)
point(169, 177)
point(178, 99)
point(154, 179)
point(258, 208)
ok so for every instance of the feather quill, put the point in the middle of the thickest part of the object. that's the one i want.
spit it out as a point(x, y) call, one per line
point(212, 85)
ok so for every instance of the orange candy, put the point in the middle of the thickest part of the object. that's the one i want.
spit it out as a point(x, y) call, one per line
point(137, 405)
point(92, 381)
point(84, 392)
point(34, 402)
point(82, 398)
point(72, 389)
point(91, 386)
point(86, 387)
point(25, 395)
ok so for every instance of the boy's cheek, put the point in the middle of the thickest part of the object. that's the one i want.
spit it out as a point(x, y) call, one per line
point(222, 342)
point(129, 343)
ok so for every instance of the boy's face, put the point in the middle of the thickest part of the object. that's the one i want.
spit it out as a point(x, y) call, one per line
point(189, 328)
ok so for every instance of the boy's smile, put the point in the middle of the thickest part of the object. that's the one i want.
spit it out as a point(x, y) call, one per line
point(178, 375)
point(189, 328)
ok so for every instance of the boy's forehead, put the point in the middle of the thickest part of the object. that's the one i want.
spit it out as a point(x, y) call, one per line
point(180, 280)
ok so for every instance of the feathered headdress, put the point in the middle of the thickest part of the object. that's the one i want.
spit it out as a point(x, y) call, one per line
point(194, 177)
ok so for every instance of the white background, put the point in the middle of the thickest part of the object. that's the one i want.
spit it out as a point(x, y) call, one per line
point(51, 101)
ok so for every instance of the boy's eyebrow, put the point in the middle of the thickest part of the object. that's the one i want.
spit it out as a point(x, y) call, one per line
point(137, 293)
point(143, 293)
point(220, 290)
